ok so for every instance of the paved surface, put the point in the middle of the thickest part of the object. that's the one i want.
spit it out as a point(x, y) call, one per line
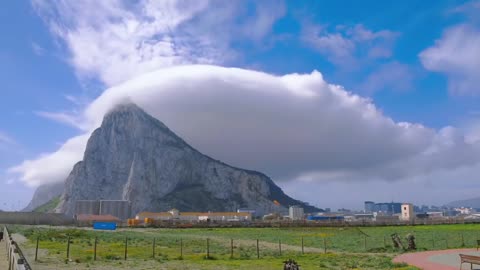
point(438, 259)
point(3, 255)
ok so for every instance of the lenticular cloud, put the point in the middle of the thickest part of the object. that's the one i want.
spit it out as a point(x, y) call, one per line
point(295, 126)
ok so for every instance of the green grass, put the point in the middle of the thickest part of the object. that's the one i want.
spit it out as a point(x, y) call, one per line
point(48, 206)
point(347, 247)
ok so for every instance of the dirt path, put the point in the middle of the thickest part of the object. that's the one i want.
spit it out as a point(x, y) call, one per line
point(437, 259)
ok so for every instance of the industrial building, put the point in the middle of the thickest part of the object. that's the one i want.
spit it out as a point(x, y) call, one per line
point(387, 208)
point(407, 211)
point(87, 207)
point(295, 213)
point(116, 208)
point(174, 214)
point(369, 207)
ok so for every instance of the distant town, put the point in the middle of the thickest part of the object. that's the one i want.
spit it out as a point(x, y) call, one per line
point(88, 211)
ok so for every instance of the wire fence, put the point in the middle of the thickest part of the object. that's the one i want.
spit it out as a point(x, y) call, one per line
point(164, 247)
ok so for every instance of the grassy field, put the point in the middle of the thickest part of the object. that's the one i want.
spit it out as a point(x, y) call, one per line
point(346, 248)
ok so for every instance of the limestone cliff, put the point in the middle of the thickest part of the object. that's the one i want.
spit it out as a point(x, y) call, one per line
point(135, 157)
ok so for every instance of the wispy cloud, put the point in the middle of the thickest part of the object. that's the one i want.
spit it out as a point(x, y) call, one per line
point(390, 76)
point(62, 117)
point(37, 49)
point(6, 139)
point(456, 53)
point(349, 46)
point(116, 40)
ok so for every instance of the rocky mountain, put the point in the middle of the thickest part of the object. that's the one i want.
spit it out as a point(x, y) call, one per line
point(474, 203)
point(135, 157)
point(44, 194)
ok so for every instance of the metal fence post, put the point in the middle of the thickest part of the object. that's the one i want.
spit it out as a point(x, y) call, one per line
point(153, 248)
point(258, 251)
point(68, 248)
point(181, 248)
point(433, 240)
point(95, 249)
point(325, 245)
point(126, 248)
point(36, 248)
point(280, 246)
point(302, 246)
point(208, 248)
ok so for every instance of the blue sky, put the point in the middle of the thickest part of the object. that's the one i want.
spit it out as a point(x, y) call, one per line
point(415, 60)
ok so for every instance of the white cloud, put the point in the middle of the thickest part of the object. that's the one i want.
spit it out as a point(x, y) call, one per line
point(390, 76)
point(295, 126)
point(291, 127)
point(37, 49)
point(361, 54)
point(456, 55)
point(61, 117)
point(116, 40)
point(52, 167)
point(347, 46)
point(6, 139)
point(437, 188)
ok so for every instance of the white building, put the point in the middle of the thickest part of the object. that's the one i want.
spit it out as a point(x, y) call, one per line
point(295, 213)
point(407, 211)
point(465, 210)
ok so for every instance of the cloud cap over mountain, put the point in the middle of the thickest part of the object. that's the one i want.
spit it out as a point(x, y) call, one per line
point(295, 126)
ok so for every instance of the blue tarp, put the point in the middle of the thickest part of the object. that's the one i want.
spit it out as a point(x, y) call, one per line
point(105, 226)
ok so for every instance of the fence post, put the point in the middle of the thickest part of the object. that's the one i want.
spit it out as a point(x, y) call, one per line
point(463, 240)
point(95, 249)
point(258, 251)
point(433, 240)
point(36, 248)
point(153, 248)
point(208, 248)
point(384, 241)
point(365, 242)
point(280, 246)
point(231, 248)
point(302, 246)
point(126, 248)
point(68, 248)
point(181, 248)
point(325, 245)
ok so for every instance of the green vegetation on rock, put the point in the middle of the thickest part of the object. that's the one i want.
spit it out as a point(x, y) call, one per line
point(48, 206)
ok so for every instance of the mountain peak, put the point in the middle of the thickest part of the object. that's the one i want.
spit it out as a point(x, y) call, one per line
point(132, 114)
point(126, 107)
point(135, 157)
